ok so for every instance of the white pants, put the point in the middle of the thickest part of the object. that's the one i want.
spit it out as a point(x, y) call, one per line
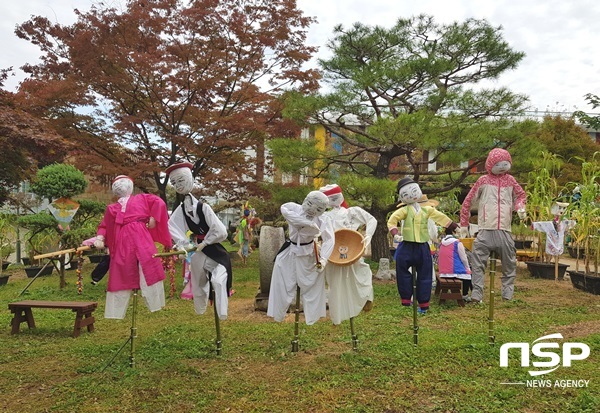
point(118, 301)
point(290, 271)
point(201, 266)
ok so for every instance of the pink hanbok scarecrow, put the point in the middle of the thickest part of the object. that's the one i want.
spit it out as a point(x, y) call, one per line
point(130, 228)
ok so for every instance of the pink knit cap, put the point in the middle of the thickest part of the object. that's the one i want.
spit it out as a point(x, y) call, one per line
point(496, 155)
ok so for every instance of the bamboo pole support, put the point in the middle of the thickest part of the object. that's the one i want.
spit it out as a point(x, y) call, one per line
point(34, 278)
point(415, 322)
point(61, 252)
point(354, 336)
point(169, 253)
point(133, 334)
point(492, 338)
point(295, 346)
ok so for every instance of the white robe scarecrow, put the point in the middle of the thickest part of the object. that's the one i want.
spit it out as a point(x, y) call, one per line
point(296, 263)
point(350, 286)
point(210, 262)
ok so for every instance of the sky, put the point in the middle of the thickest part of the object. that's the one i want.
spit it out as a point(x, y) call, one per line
point(558, 37)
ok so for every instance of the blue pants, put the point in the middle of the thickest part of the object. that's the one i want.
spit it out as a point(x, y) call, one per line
point(418, 256)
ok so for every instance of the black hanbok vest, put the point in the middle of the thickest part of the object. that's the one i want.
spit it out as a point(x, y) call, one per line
point(216, 251)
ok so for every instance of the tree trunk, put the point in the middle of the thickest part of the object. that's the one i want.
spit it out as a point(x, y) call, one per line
point(379, 244)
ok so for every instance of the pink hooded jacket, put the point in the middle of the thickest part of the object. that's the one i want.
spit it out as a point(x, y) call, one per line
point(496, 196)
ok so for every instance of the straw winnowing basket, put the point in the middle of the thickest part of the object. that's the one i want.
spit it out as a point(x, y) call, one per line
point(467, 242)
point(351, 244)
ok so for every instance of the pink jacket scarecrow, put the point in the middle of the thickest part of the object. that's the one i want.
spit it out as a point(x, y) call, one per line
point(496, 195)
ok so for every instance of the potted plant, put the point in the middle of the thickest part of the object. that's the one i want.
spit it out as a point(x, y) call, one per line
point(523, 236)
point(40, 243)
point(586, 233)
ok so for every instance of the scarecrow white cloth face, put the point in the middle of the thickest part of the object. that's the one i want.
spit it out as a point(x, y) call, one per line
point(501, 167)
point(335, 196)
point(558, 209)
point(122, 186)
point(410, 193)
point(315, 204)
point(182, 180)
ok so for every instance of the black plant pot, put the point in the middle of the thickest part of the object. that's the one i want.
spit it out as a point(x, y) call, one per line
point(585, 282)
point(26, 261)
point(95, 259)
point(33, 270)
point(5, 265)
point(523, 244)
point(4, 279)
point(545, 270)
point(573, 252)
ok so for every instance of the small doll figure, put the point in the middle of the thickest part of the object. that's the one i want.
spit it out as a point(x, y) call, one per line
point(496, 195)
point(343, 252)
point(414, 250)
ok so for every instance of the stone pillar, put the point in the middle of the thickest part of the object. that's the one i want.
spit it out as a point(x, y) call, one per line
point(271, 239)
point(384, 273)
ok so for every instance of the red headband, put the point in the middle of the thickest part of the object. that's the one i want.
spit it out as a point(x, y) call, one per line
point(121, 177)
point(335, 190)
point(177, 166)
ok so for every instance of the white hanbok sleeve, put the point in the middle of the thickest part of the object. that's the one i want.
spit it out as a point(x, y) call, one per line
point(366, 219)
point(327, 236)
point(178, 228)
point(293, 214)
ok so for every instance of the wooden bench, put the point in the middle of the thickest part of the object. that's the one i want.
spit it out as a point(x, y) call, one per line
point(526, 255)
point(83, 309)
point(449, 289)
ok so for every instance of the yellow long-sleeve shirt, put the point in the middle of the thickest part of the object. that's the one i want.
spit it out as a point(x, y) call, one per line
point(415, 223)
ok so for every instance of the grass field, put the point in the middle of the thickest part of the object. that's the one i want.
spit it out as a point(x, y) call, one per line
point(453, 369)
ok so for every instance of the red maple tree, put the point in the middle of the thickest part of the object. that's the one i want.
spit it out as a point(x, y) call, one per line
point(27, 143)
point(158, 81)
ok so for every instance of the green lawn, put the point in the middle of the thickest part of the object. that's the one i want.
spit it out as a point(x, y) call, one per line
point(453, 369)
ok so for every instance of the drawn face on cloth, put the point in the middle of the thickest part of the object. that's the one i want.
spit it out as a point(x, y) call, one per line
point(315, 204)
point(501, 168)
point(558, 209)
point(182, 180)
point(122, 186)
point(410, 193)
